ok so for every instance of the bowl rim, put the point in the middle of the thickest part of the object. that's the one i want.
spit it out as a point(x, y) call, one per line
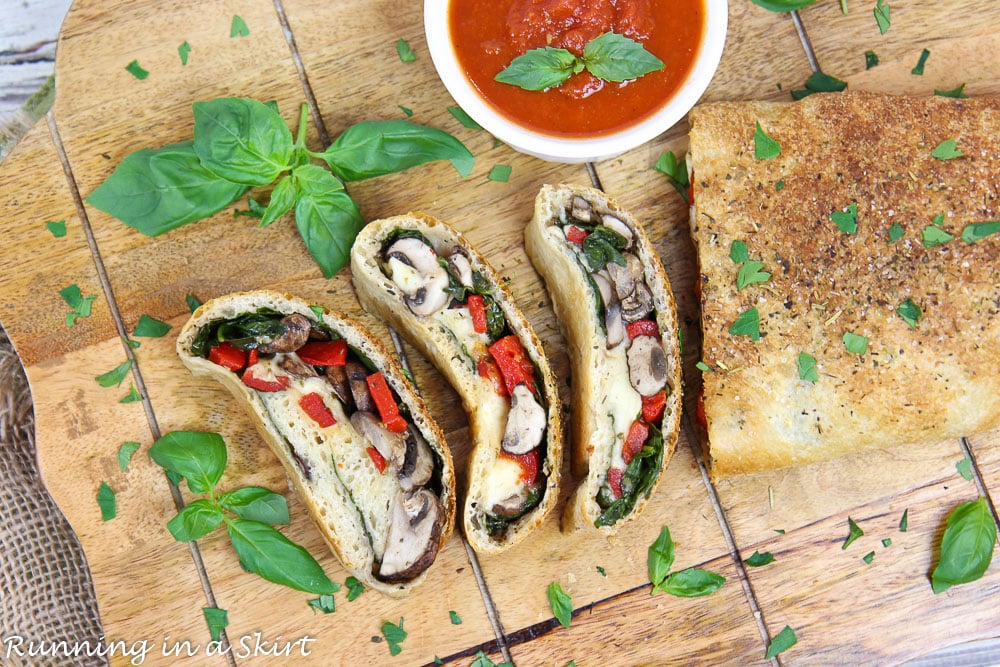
point(572, 149)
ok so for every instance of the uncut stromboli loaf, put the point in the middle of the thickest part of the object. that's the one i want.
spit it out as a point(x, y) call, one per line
point(915, 289)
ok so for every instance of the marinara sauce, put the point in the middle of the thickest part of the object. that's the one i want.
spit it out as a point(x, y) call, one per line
point(489, 34)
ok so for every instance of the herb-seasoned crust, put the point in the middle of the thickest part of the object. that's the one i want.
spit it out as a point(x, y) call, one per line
point(935, 381)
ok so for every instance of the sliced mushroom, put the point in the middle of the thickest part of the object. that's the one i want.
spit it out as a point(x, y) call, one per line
point(647, 365)
point(291, 364)
point(414, 535)
point(336, 377)
point(520, 502)
point(525, 422)
point(297, 328)
point(603, 282)
point(638, 304)
point(428, 295)
point(390, 445)
point(614, 324)
point(414, 252)
point(418, 462)
point(616, 225)
point(622, 278)
point(581, 209)
point(431, 296)
point(460, 265)
point(357, 378)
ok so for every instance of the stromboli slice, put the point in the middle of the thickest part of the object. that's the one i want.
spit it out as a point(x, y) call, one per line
point(367, 461)
point(424, 278)
point(617, 313)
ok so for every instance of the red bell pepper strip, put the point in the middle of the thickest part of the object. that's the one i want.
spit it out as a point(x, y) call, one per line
point(653, 406)
point(528, 461)
point(314, 406)
point(642, 328)
point(377, 459)
point(615, 481)
point(228, 356)
point(574, 234)
point(514, 365)
point(488, 369)
point(324, 353)
point(638, 432)
point(386, 404)
point(252, 357)
point(477, 309)
point(249, 379)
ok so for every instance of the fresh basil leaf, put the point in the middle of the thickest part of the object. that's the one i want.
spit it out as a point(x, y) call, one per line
point(979, 230)
point(846, 221)
point(871, 59)
point(910, 312)
point(676, 172)
point(660, 558)
point(783, 5)
point(325, 603)
point(781, 642)
point(615, 57)
point(764, 147)
point(376, 148)
point(57, 228)
point(499, 173)
point(904, 521)
point(934, 236)
point(954, 92)
point(149, 327)
point(807, 367)
point(217, 620)
point(242, 140)
point(183, 50)
point(759, 559)
point(327, 218)
point(738, 252)
point(561, 604)
point(197, 456)
point(125, 452)
point(855, 343)
point(946, 150)
point(750, 272)
point(882, 16)
point(404, 51)
point(692, 583)
point(115, 376)
point(80, 304)
point(703, 367)
point(192, 302)
point(895, 232)
point(966, 547)
point(964, 468)
point(455, 618)
point(132, 396)
point(106, 501)
point(266, 552)
point(136, 70)
point(919, 69)
point(282, 200)
point(819, 82)
point(354, 588)
point(539, 69)
point(257, 504)
point(465, 119)
point(394, 635)
point(747, 324)
point(238, 28)
point(854, 532)
point(198, 518)
point(154, 191)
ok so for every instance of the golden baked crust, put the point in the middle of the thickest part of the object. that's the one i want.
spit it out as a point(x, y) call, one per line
point(380, 296)
point(328, 501)
point(935, 381)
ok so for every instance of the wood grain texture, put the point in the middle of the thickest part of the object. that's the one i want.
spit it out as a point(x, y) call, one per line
point(842, 609)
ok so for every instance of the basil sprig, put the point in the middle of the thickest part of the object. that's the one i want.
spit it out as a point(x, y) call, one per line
point(241, 143)
point(611, 57)
point(690, 583)
point(966, 547)
point(247, 512)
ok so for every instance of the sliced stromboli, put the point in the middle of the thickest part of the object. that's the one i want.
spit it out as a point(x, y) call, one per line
point(422, 276)
point(360, 450)
point(613, 302)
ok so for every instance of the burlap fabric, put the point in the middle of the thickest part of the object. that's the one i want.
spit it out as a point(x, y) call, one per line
point(46, 593)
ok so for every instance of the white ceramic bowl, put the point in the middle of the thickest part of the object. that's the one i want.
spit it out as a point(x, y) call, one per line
point(562, 149)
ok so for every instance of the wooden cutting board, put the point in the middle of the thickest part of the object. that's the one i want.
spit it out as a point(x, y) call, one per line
point(341, 56)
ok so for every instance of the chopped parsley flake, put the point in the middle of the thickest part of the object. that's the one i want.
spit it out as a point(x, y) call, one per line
point(934, 236)
point(106, 501)
point(854, 343)
point(404, 51)
point(964, 468)
point(979, 230)
point(132, 396)
point(116, 376)
point(57, 228)
point(807, 367)
point(324, 603)
point(750, 272)
point(238, 28)
point(904, 521)
point(738, 252)
point(854, 533)
point(394, 635)
point(783, 641)
point(919, 69)
point(150, 327)
point(764, 147)
point(136, 70)
point(910, 312)
point(217, 620)
point(500, 173)
point(868, 557)
point(455, 618)
point(882, 16)
point(125, 452)
point(871, 59)
point(946, 150)
point(183, 50)
point(747, 324)
point(464, 118)
point(846, 221)
point(759, 559)
point(80, 304)
point(895, 232)
point(887, 542)
point(954, 92)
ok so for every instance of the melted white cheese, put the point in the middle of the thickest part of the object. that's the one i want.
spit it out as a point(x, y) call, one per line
point(405, 276)
point(502, 482)
point(619, 400)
